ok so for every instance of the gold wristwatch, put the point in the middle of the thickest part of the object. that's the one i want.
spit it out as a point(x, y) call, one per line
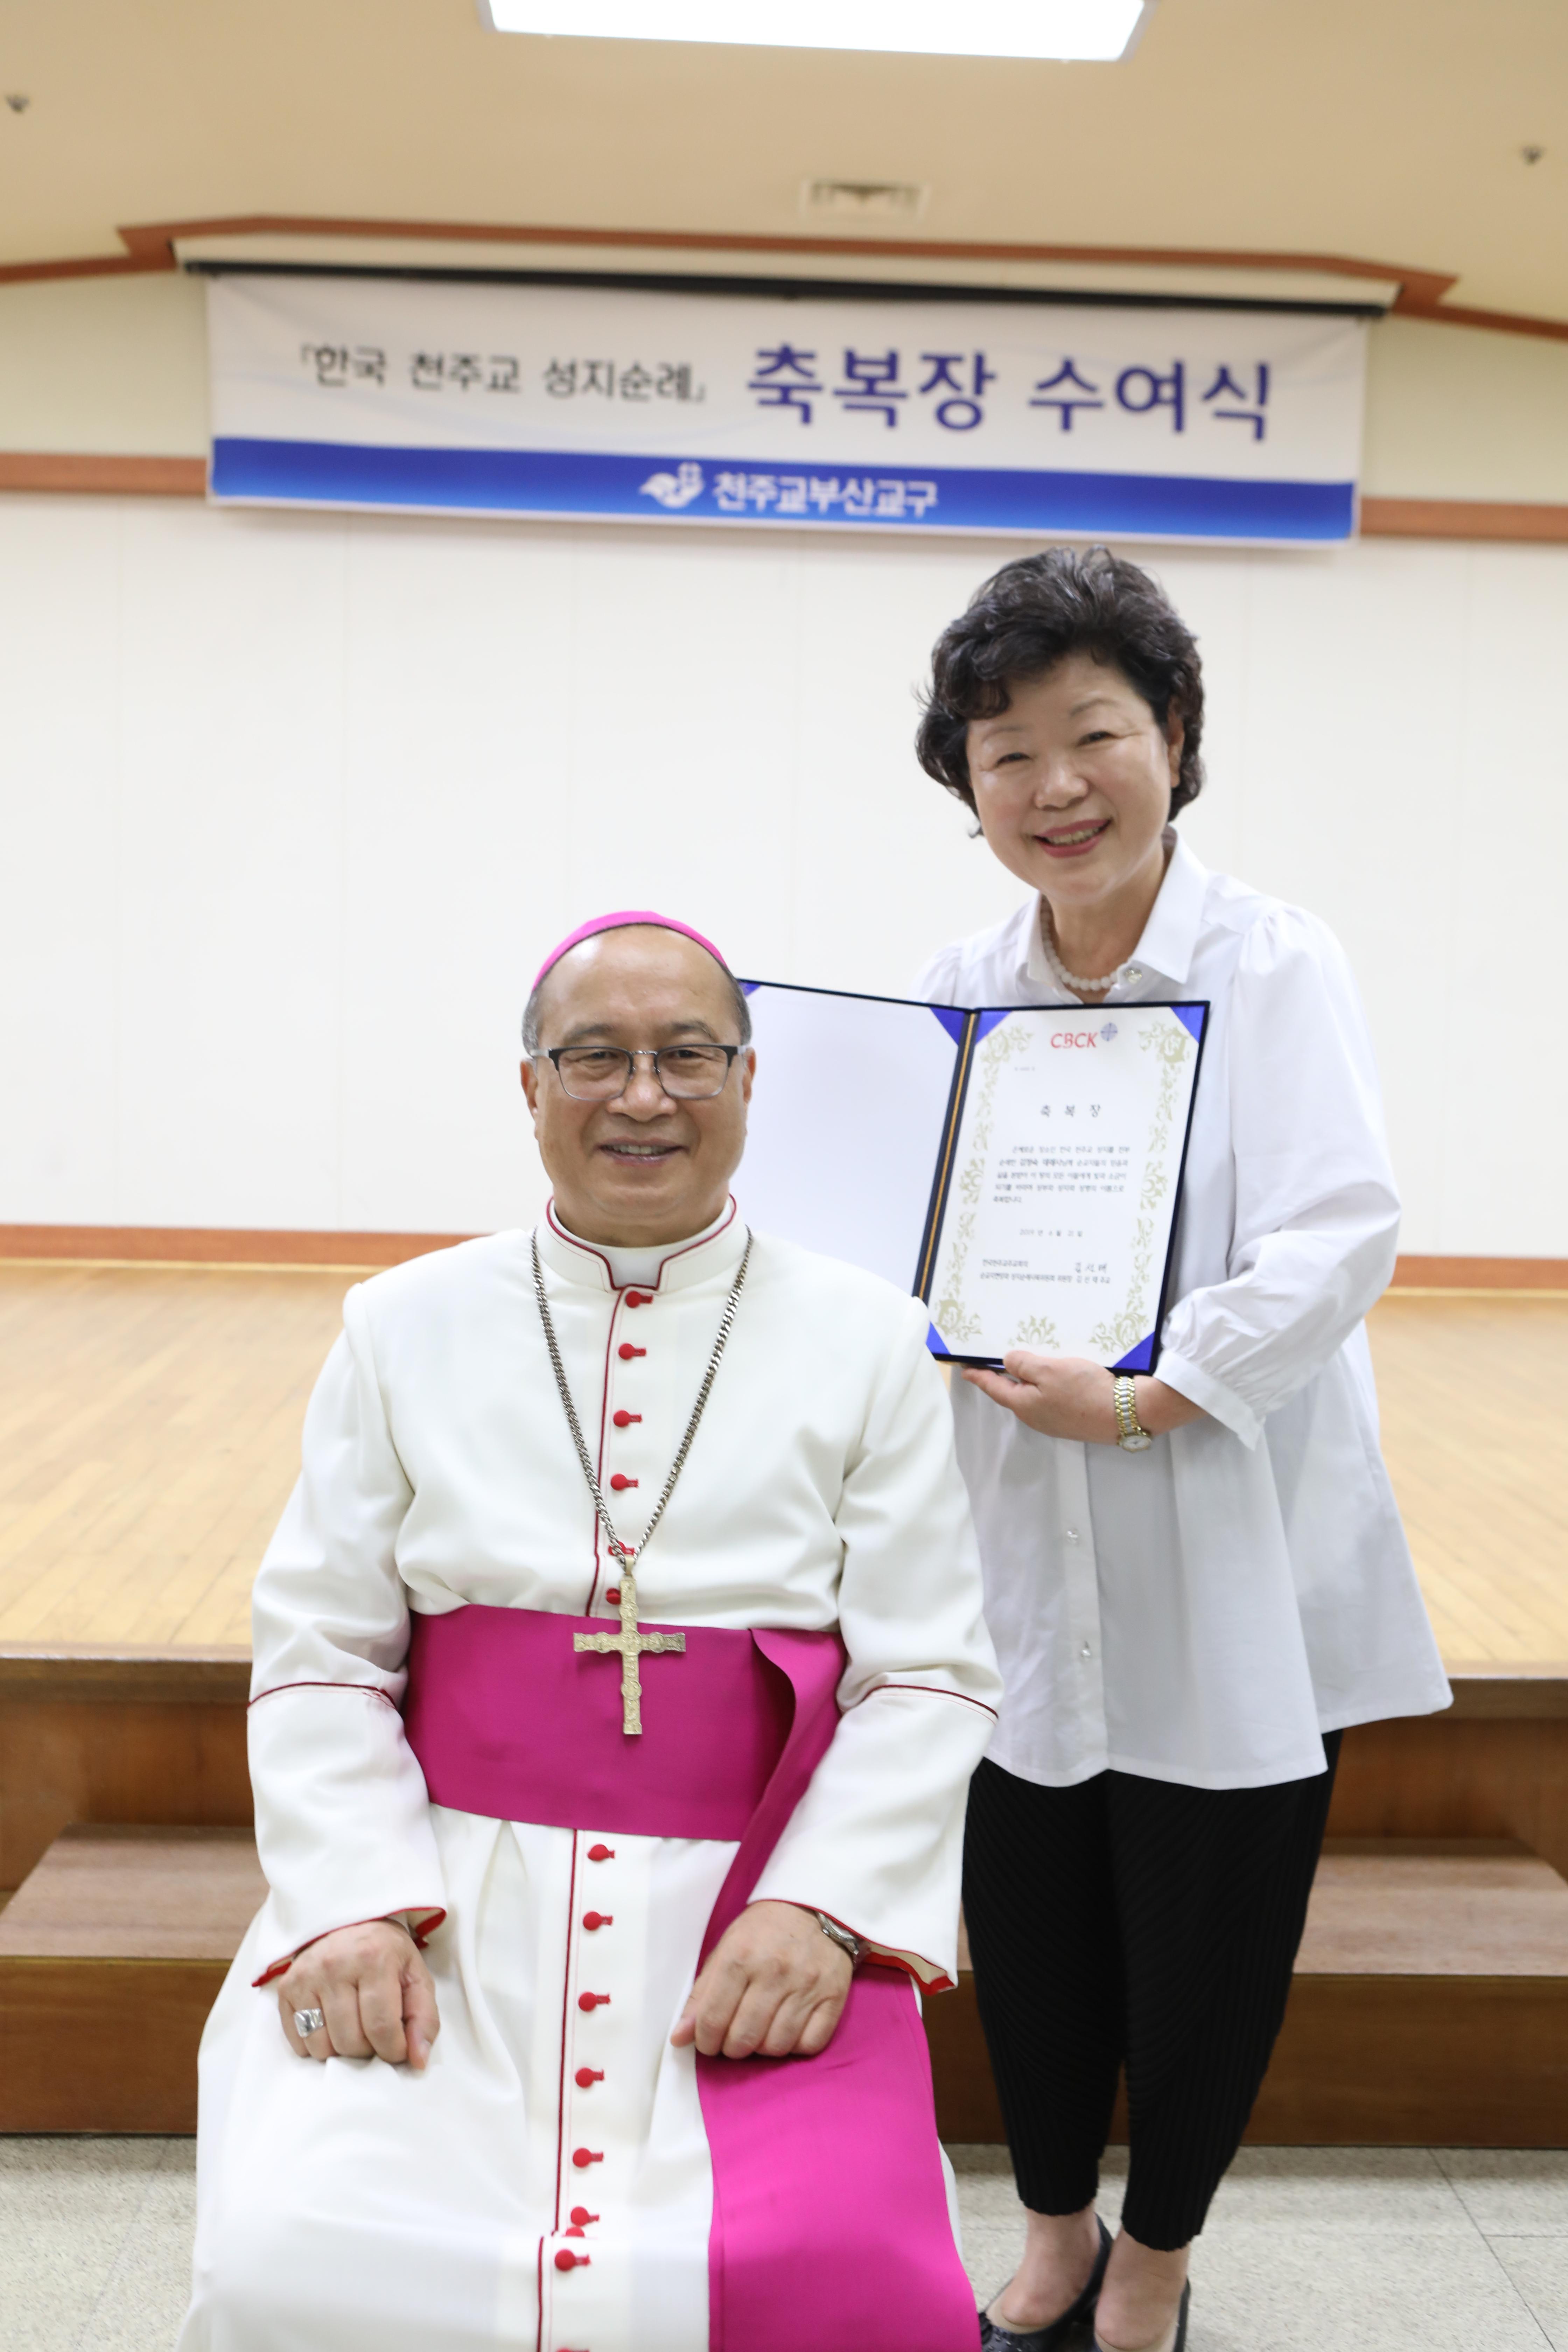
point(1134, 1437)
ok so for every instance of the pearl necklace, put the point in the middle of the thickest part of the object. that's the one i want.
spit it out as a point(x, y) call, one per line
point(1075, 981)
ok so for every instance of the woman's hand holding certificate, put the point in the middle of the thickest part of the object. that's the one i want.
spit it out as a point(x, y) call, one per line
point(1067, 1396)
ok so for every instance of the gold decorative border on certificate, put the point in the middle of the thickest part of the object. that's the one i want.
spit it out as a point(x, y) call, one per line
point(954, 1317)
point(1174, 1045)
point(1036, 1331)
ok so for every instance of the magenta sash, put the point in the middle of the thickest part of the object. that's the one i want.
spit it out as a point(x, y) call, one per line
point(830, 2221)
point(508, 1719)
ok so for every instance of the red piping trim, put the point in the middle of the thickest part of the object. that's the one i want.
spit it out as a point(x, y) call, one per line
point(572, 1241)
point(936, 1691)
point(687, 1247)
point(877, 1955)
point(617, 1291)
point(940, 1983)
point(565, 2027)
point(435, 1913)
point(372, 1690)
point(599, 1466)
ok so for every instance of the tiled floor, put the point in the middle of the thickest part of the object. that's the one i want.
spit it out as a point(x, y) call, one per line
point(1347, 2249)
point(1307, 2250)
point(95, 2242)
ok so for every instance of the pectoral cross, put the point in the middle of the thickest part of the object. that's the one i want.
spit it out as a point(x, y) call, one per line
point(629, 1645)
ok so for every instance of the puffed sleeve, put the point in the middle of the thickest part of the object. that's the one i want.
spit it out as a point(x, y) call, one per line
point(343, 1821)
point(937, 982)
point(877, 1841)
point(1317, 1215)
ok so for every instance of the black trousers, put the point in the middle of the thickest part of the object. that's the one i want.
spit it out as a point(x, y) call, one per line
point(1133, 1923)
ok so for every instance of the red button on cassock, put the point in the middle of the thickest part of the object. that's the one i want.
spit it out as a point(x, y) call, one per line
point(623, 1420)
point(591, 2000)
point(613, 1595)
point(592, 1919)
point(620, 1481)
point(639, 1297)
point(586, 2077)
point(601, 1854)
point(567, 2260)
point(580, 2214)
point(572, 2233)
point(625, 1351)
point(583, 2157)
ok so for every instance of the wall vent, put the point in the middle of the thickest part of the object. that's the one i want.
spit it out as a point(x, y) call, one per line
point(863, 200)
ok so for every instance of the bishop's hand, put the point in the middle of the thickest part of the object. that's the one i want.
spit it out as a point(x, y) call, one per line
point(774, 1986)
point(374, 1993)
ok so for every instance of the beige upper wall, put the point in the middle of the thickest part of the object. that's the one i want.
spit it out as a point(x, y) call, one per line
point(1457, 413)
point(1387, 129)
point(111, 365)
point(119, 366)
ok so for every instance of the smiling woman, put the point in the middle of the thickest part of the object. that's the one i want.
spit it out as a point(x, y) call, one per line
point(1067, 713)
point(1195, 1581)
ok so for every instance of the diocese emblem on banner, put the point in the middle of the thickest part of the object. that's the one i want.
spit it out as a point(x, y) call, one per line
point(596, 403)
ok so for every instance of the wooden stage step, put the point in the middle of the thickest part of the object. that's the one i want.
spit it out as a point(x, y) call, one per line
point(111, 1954)
point(1430, 2005)
point(1429, 2009)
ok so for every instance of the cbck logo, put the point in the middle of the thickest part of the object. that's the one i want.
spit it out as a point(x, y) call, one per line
point(1084, 1037)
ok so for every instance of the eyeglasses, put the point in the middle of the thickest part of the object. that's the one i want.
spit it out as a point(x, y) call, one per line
point(600, 1073)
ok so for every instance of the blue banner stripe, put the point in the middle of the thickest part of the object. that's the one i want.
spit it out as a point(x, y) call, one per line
point(575, 483)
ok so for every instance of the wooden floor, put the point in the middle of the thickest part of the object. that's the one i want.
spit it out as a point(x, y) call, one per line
point(150, 1420)
point(149, 1436)
point(1473, 1438)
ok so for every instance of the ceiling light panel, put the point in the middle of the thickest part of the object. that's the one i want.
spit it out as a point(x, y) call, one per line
point(1092, 30)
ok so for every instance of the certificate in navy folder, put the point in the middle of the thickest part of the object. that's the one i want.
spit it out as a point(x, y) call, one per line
point(1019, 1169)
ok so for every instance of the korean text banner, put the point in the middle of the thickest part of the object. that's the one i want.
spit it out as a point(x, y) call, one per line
point(823, 412)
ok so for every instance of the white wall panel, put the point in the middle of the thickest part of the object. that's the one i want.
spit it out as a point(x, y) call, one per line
point(61, 600)
point(458, 667)
point(293, 804)
point(231, 857)
point(1343, 782)
point(1504, 1091)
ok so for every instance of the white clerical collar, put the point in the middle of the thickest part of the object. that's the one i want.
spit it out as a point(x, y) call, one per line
point(671, 1265)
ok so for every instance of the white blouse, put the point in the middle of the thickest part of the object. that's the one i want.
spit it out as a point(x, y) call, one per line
point(1200, 1612)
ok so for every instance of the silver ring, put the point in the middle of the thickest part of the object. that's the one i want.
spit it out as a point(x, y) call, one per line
point(307, 2021)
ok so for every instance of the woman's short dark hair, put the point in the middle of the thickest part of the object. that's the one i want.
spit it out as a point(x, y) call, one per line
point(1030, 615)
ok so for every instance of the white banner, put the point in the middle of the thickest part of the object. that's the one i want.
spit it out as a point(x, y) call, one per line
point(599, 402)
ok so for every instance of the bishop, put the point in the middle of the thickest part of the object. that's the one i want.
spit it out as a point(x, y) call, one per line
point(582, 2014)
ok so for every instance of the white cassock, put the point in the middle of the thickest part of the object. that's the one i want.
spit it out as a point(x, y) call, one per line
point(358, 2207)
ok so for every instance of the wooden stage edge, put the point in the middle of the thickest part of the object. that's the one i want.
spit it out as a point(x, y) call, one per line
point(107, 1741)
point(112, 1733)
point(283, 1250)
point(129, 1670)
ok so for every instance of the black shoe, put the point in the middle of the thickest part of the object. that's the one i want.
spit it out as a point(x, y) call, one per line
point(1046, 2339)
point(1178, 2343)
